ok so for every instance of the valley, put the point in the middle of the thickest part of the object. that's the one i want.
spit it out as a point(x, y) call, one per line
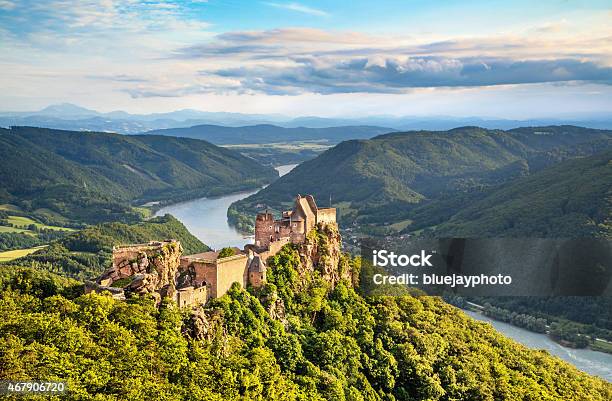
point(421, 182)
point(65, 177)
point(446, 177)
point(207, 218)
point(306, 200)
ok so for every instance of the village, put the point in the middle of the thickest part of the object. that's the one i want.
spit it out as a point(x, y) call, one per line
point(159, 268)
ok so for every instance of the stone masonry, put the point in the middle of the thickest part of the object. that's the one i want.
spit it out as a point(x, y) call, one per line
point(160, 269)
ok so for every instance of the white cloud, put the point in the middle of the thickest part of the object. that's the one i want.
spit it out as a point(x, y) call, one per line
point(300, 8)
point(145, 52)
point(7, 5)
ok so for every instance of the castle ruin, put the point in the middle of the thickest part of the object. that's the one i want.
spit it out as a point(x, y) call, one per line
point(294, 225)
point(160, 268)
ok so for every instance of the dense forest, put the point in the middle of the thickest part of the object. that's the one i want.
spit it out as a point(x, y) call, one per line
point(329, 344)
point(409, 182)
point(96, 177)
point(570, 199)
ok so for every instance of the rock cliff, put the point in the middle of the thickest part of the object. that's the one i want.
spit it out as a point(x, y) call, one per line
point(322, 252)
point(146, 268)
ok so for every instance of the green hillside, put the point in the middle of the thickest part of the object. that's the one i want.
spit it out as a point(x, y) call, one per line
point(383, 180)
point(86, 253)
point(328, 344)
point(571, 199)
point(95, 177)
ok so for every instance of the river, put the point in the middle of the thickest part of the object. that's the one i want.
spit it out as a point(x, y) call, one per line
point(593, 362)
point(206, 218)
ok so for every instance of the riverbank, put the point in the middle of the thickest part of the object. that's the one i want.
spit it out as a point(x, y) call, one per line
point(153, 206)
point(589, 361)
point(206, 218)
point(564, 332)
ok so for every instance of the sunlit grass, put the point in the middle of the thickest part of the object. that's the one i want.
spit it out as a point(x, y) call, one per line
point(22, 221)
point(18, 253)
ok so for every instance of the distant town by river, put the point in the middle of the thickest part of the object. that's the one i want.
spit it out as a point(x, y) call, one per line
point(206, 218)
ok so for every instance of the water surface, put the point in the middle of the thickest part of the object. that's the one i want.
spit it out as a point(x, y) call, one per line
point(592, 362)
point(206, 218)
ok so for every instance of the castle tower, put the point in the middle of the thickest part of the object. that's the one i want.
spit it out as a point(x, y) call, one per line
point(264, 229)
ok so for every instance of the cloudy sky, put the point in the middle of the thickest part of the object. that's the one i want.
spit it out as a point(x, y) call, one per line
point(508, 59)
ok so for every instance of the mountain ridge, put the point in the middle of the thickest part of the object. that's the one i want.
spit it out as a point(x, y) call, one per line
point(269, 133)
point(74, 117)
point(381, 180)
point(53, 169)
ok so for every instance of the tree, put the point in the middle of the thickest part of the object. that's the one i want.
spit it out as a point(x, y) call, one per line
point(226, 252)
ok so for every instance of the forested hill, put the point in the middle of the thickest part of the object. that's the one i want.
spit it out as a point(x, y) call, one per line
point(296, 338)
point(571, 199)
point(383, 179)
point(266, 133)
point(93, 176)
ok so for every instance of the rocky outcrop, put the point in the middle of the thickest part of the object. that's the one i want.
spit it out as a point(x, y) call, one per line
point(321, 251)
point(204, 324)
point(145, 268)
point(275, 307)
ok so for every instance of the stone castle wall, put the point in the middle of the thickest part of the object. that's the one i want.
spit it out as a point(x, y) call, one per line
point(217, 275)
point(273, 248)
point(205, 274)
point(230, 270)
point(158, 268)
point(190, 296)
point(257, 279)
point(264, 229)
point(326, 215)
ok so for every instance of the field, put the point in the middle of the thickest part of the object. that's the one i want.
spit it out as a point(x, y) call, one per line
point(287, 146)
point(4, 229)
point(21, 221)
point(400, 225)
point(18, 253)
point(9, 207)
point(144, 211)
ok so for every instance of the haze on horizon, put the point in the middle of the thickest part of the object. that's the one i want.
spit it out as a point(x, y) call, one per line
point(330, 59)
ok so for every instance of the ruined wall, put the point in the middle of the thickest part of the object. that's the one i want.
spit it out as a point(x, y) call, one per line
point(326, 215)
point(274, 248)
point(155, 263)
point(230, 270)
point(205, 273)
point(303, 210)
point(264, 228)
point(257, 279)
point(190, 296)
point(277, 245)
point(297, 238)
point(311, 202)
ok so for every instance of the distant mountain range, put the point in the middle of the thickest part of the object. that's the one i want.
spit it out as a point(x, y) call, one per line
point(72, 117)
point(266, 133)
point(95, 177)
point(450, 181)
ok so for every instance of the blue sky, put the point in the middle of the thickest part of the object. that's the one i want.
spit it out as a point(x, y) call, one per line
point(519, 59)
